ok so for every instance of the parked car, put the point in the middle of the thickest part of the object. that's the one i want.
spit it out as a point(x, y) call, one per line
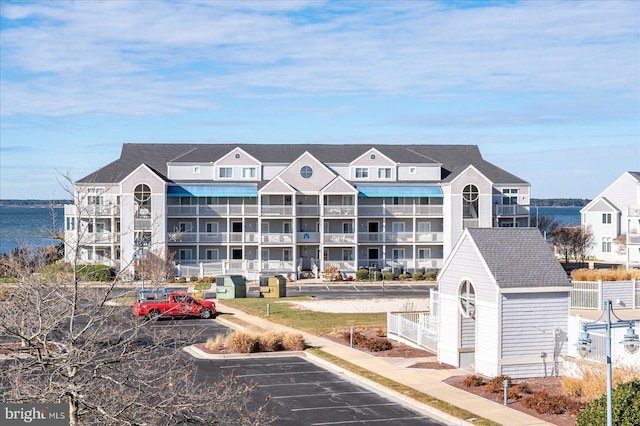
point(174, 304)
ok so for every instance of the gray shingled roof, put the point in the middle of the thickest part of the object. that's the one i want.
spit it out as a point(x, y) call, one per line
point(519, 257)
point(635, 175)
point(454, 158)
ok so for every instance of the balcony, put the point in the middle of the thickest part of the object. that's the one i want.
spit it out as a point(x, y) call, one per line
point(338, 211)
point(277, 210)
point(308, 210)
point(101, 210)
point(512, 210)
point(401, 211)
point(285, 239)
point(308, 237)
point(100, 238)
point(339, 239)
point(400, 237)
point(633, 211)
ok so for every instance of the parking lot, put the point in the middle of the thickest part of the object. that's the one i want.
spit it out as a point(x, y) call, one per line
point(303, 393)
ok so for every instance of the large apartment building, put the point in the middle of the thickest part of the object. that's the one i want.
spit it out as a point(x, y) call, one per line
point(255, 209)
point(614, 219)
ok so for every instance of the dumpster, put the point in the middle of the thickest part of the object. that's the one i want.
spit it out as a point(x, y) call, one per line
point(273, 286)
point(231, 287)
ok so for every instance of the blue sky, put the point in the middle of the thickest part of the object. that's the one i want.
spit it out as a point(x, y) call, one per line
point(549, 90)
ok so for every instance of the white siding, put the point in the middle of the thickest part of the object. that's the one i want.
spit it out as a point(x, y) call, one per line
point(528, 329)
point(448, 331)
point(487, 342)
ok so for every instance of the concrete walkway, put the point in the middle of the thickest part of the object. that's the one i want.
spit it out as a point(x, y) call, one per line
point(423, 380)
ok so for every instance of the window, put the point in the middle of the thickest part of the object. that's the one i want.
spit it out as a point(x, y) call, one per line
point(606, 217)
point(606, 244)
point(265, 255)
point(424, 253)
point(362, 172)
point(237, 156)
point(509, 197)
point(384, 173)
point(306, 172)
point(212, 227)
point(71, 223)
point(196, 170)
point(347, 254)
point(347, 227)
point(470, 196)
point(184, 254)
point(286, 228)
point(286, 255)
point(248, 173)
point(467, 299)
point(211, 254)
point(397, 227)
point(185, 226)
point(424, 226)
point(225, 173)
point(397, 254)
point(94, 196)
point(373, 156)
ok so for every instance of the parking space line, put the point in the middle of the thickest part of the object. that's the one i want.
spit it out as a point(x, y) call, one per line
point(333, 407)
point(262, 364)
point(315, 395)
point(370, 421)
point(303, 383)
point(282, 373)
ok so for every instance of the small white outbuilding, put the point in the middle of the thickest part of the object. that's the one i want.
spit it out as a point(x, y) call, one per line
point(503, 304)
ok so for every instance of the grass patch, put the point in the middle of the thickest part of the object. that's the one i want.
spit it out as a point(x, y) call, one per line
point(422, 397)
point(317, 323)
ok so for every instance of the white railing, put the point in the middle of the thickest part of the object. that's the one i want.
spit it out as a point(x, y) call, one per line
point(399, 210)
point(592, 294)
point(339, 238)
point(598, 340)
point(420, 328)
point(277, 210)
point(511, 210)
point(307, 210)
point(213, 237)
point(277, 238)
point(343, 266)
point(633, 211)
point(429, 210)
point(278, 265)
point(339, 210)
point(213, 210)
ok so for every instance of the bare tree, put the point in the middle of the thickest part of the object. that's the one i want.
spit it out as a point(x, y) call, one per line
point(546, 224)
point(65, 342)
point(572, 241)
point(621, 244)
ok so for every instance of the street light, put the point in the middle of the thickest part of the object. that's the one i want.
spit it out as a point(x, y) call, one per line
point(139, 254)
point(631, 344)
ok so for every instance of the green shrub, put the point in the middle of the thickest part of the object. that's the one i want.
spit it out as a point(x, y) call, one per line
point(431, 276)
point(625, 403)
point(417, 276)
point(94, 273)
point(389, 276)
point(376, 276)
point(181, 280)
point(403, 277)
point(362, 274)
point(202, 286)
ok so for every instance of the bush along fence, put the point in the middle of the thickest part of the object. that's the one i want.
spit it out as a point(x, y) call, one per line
point(592, 294)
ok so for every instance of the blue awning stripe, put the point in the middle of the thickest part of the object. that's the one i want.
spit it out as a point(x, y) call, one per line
point(212, 191)
point(400, 191)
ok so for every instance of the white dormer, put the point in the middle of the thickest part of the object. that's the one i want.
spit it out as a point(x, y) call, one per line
point(373, 166)
point(238, 165)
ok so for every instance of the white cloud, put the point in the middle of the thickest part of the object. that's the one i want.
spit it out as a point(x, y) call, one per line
point(152, 58)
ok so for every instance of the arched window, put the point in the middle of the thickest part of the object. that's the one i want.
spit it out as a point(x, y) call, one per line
point(467, 300)
point(470, 195)
point(142, 196)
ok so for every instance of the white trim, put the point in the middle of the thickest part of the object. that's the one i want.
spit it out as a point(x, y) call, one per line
point(525, 290)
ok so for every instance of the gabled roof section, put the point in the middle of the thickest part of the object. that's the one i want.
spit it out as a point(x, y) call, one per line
point(277, 186)
point(600, 204)
point(453, 158)
point(366, 156)
point(519, 257)
point(339, 186)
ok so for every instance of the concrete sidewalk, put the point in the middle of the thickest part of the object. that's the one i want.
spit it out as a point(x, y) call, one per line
point(423, 380)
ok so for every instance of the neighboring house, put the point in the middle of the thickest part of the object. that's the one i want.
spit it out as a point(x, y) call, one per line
point(290, 208)
point(503, 304)
point(613, 215)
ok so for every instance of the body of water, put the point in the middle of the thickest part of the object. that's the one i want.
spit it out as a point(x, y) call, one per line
point(29, 226)
point(566, 216)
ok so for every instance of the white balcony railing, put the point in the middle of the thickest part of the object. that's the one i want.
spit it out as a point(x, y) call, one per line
point(401, 210)
point(633, 211)
point(277, 238)
point(277, 210)
point(512, 210)
point(339, 238)
point(339, 211)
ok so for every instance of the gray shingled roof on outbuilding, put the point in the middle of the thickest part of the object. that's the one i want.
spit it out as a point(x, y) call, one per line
point(454, 158)
point(635, 175)
point(519, 257)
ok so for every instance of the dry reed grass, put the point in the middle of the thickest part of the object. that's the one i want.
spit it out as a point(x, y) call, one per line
point(593, 381)
point(605, 274)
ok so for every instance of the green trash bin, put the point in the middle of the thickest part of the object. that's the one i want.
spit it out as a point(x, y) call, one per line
point(231, 287)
